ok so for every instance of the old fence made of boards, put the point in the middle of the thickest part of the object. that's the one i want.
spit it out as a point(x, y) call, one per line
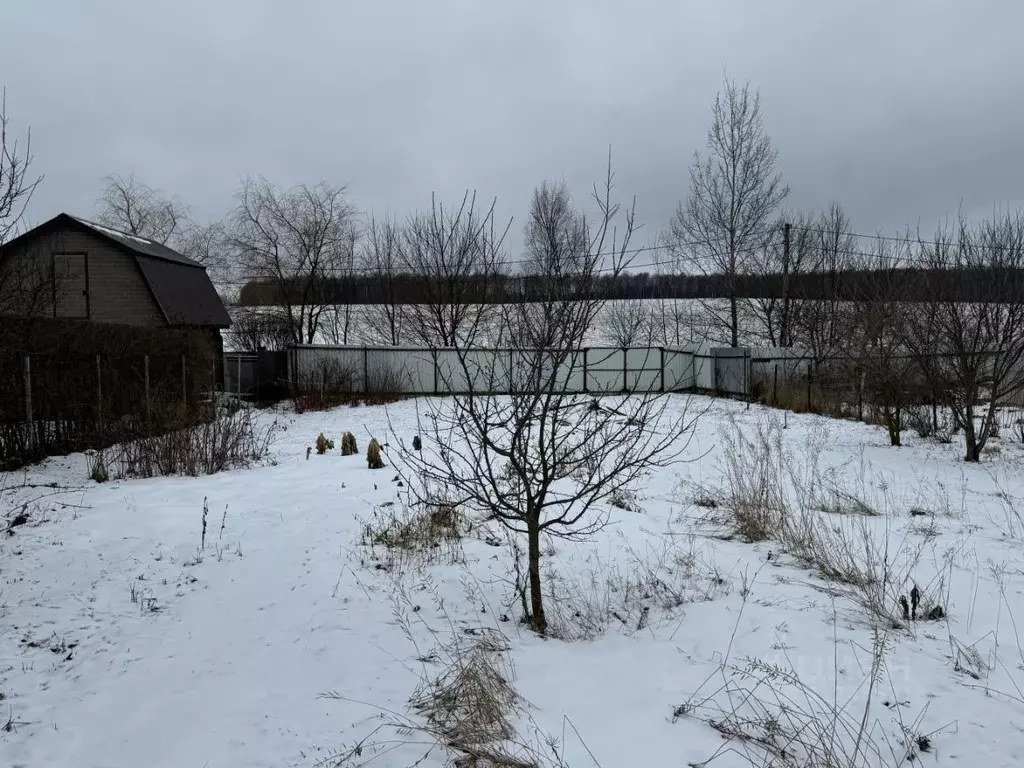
point(596, 370)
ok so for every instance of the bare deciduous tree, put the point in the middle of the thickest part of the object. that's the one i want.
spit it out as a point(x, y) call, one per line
point(628, 323)
point(297, 240)
point(821, 323)
point(259, 328)
point(27, 283)
point(874, 346)
point(456, 253)
point(135, 208)
point(734, 192)
point(789, 253)
point(972, 347)
point(380, 257)
point(544, 460)
point(17, 185)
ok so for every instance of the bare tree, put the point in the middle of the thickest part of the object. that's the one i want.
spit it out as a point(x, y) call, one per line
point(874, 349)
point(298, 241)
point(790, 253)
point(135, 208)
point(380, 258)
point(969, 332)
point(259, 328)
point(628, 323)
point(456, 254)
point(17, 184)
point(26, 283)
point(734, 192)
point(338, 323)
point(821, 323)
point(545, 460)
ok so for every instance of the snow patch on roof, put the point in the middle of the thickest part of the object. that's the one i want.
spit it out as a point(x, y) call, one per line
point(116, 232)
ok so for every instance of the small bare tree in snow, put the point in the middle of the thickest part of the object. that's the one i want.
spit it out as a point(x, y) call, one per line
point(298, 241)
point(734, 192)
point(544, 460)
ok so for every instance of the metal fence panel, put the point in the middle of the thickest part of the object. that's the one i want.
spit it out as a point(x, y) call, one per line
point(606, 370)
point(595, 370)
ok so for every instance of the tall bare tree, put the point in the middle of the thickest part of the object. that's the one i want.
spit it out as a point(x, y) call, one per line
point(734, 192)
point(299, 241)
point(544, 459)
point(783, 257)
point(822, 322)
point(380, 258)
point(874, 349)
point(26, 284)
point(138, 209)
point(17, 182)
point(456, 253)
point(969, 332)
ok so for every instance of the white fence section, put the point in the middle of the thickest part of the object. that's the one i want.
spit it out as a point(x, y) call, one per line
point(420, 371)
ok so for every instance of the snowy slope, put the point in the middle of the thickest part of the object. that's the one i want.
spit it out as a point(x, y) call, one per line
point(124, 644)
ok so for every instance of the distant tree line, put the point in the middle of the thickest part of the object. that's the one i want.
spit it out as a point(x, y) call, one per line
point(912, 284)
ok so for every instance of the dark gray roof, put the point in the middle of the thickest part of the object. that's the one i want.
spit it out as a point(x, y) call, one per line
point(184, 292)
point(179, 284)
point(141, 245)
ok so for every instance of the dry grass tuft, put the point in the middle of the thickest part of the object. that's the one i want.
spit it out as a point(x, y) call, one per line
point(400, 538)
point(373, 457)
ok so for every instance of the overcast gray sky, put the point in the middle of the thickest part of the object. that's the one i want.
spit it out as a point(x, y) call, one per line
point(899, 109)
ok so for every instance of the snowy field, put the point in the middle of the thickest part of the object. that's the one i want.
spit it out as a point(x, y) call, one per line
point(666, 322)
point(125, 643)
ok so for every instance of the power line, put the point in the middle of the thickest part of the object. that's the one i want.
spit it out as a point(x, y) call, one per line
point(878, 256)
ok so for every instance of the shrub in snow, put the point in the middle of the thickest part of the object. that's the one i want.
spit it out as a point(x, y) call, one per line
point(373, 459)
point(348, 445)
point(323, 445)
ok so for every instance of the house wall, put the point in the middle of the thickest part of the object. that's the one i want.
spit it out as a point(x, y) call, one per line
point(115, 288)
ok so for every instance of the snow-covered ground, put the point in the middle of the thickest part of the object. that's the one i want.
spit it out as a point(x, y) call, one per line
point(124, 643)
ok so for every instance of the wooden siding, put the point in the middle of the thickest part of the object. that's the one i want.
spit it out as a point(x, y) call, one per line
point(117, 291)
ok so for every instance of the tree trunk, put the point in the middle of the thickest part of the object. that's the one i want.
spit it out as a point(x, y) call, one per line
point(734, 321)
point(973, 450)
point(537, 620)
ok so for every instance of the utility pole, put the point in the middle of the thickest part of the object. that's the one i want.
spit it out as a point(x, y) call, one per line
point(785, 334)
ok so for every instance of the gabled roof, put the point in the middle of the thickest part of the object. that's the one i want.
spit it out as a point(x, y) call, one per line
point(180, 285)
point(140, 245)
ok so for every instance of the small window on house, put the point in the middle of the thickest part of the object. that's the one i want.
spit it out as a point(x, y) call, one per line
point(70, 285)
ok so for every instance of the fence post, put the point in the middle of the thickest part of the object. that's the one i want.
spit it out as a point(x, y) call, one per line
point(625, 371)
point(366, 370)
point(810, 376)
point(746, 376)
point(436, 355)
point(99, 391)
point(586, 387)
point(27, 366)
point(238, 374)
point(775, 385)
point(661, 351)
point(146, 365)
point(184, 385)
point(860, 396)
